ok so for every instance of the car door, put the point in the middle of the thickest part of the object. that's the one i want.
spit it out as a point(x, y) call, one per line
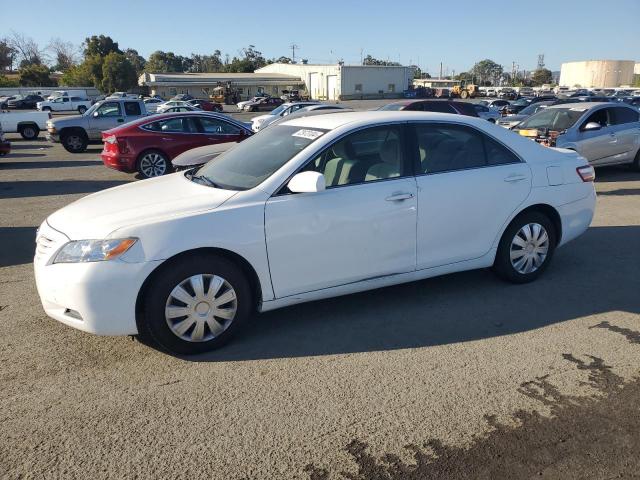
point(214, 130)
point(626, 126)
point(175, 135)
point(132, 110)
point(106, 116)
point(597, 146)
point(361, 227)
point(469, 184)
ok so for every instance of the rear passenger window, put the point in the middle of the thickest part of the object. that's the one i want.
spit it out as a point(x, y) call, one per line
point(445, 148)
point(132, 108)
point(622, 115)
point(365, 156)
point(169, 125)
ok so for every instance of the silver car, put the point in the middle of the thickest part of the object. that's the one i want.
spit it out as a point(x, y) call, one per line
point(603, 133)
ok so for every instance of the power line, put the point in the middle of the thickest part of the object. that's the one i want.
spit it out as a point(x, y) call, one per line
point(293, 47)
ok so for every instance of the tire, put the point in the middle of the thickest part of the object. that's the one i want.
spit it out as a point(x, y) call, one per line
point(153, 163)
point(191, 326)
point(464, 94)
point(492, 120)
point(46, 109)
point(75, 141)
point(82, 109)
point(29, 132)
point(635, 166)
point(514, 241)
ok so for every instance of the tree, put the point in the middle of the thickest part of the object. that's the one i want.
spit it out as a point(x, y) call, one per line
point(136, 60)
point(7, 53)
point(369, 60)
point(283, 60)
point(27, 50)
point(542, 76)
point(64, 53)
point(7, 82)
point(165, 62)
point(250, 61)
point(486, 71)
point(78, 76)
point(100, 45)
point(35, 76)
point(117, 73)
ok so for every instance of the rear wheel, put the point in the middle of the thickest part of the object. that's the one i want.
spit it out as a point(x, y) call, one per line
point(74, 141)
point(464, 94)
point(46, 109)
point(29, 132)
point(153, 163)
point(526, 248)
point(195, 305)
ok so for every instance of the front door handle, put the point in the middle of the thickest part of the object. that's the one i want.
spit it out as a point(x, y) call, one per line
point(121, 120)
point(515, 178)
point(398, 197)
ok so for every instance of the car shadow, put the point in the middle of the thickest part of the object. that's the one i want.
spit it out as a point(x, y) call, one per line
point(36, 188)
point(48, 164)
point(617, 173)
point(17, 245)
point(18, 146)
point(596, 273)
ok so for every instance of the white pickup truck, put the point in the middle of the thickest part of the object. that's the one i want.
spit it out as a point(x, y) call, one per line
point(65, 104)
point(27, 124)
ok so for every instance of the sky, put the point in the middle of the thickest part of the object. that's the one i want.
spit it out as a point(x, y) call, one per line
point(410, 32)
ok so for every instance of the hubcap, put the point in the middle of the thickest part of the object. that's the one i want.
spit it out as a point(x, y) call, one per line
point(529, 248)
point(201, 307)
point(75, 142)
point(153, 165)
point(29, 132)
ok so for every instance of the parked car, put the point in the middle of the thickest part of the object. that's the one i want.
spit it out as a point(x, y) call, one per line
point(123, 95)
point(77, 131)
point(182, 97)
point(515, 107)
point(65, 104)
point(282, 111)
point(526, 92)
point(489, 114)
point(186, 259)
point(5, 145)
point(491, 92)
point(151, 104)
point(290, 96)
point(24, 101)
point(205, 105)
point(163, 107)
point(603, 133)
point(184, 108)
point(82, 93)
point(508, 94)
point(242, 104)
point(511, 121)
point(442, 106)
point(4, 101)
point(263, 104)
point(497, 103)
point(27, 124)
point(148, 145)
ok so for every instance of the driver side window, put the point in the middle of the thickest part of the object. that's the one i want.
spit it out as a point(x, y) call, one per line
point(111, 109)
point(600, 116)
point(364, 156)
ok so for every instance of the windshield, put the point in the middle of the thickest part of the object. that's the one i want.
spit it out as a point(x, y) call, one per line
point(254, 160)
point(553, 118)
point(533, 108)
point(278, 111)
point(92, 108)
point(393, 106)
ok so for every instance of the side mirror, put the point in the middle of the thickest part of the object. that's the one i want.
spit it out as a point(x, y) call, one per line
point(307, 182)
point(96, 114)
point(592, 126)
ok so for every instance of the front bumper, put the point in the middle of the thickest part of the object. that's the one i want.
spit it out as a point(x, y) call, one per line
point(98, 297)
point(52, 137)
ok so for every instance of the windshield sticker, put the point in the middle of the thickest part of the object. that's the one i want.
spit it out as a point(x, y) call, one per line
point(308, 134)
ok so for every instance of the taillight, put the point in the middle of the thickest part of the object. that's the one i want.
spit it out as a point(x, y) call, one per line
point(110, 139)
point(587, 173)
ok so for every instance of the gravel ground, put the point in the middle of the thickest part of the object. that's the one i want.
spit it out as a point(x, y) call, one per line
point(461, 376)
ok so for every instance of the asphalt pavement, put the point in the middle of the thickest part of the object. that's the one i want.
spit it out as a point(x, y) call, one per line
point(462, 376)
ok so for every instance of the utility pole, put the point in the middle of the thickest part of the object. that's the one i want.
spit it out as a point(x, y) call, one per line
point(293, 47)
point(541, 61)
point(440, 77)
point(361, 53)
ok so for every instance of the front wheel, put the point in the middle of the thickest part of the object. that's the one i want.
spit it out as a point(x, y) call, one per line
point(195, 305)
point(82, 109)
point(526, 248)
point(153, 163)
point(74, 142)
point(636, 162)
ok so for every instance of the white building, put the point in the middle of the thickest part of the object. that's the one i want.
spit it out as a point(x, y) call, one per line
point(597, 73)
point(346, 82)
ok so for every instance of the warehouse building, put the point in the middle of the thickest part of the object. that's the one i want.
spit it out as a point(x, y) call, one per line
point(597, 73)
point(346, 82)
point(202, 84)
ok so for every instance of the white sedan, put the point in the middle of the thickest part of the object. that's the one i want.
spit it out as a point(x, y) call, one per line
point(311, 208)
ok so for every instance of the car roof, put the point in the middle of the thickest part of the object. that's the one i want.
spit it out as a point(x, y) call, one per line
point(581, 105)
point(331, 121)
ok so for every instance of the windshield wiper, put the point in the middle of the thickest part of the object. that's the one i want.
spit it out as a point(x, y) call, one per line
point(203, 180)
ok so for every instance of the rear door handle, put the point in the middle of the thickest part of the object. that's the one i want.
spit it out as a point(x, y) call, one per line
point(515, 178)
point(398, 197)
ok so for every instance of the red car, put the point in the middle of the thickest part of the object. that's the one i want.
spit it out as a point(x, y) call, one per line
point(148, 145)
point(205, 105)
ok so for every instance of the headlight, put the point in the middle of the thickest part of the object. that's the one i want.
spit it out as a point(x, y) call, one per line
point(93, 250)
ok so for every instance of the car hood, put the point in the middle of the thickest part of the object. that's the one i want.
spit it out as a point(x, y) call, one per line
point(70, 120)
point(98, 215)
point(262, 117)
point(514, 118)
point(201, 155)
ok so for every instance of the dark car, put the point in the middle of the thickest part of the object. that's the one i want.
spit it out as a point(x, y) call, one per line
point(4, 101)
point(205, 105)
point(5, 145)
point(515, 107)
point(263, 104)
point(26, 101)
point(441, 106)
point(147, 145)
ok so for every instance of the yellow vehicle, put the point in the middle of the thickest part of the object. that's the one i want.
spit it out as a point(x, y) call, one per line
point(224, 94)
point(465, 91)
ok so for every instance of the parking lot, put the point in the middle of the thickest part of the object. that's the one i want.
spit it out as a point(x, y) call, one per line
point(433, 379)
